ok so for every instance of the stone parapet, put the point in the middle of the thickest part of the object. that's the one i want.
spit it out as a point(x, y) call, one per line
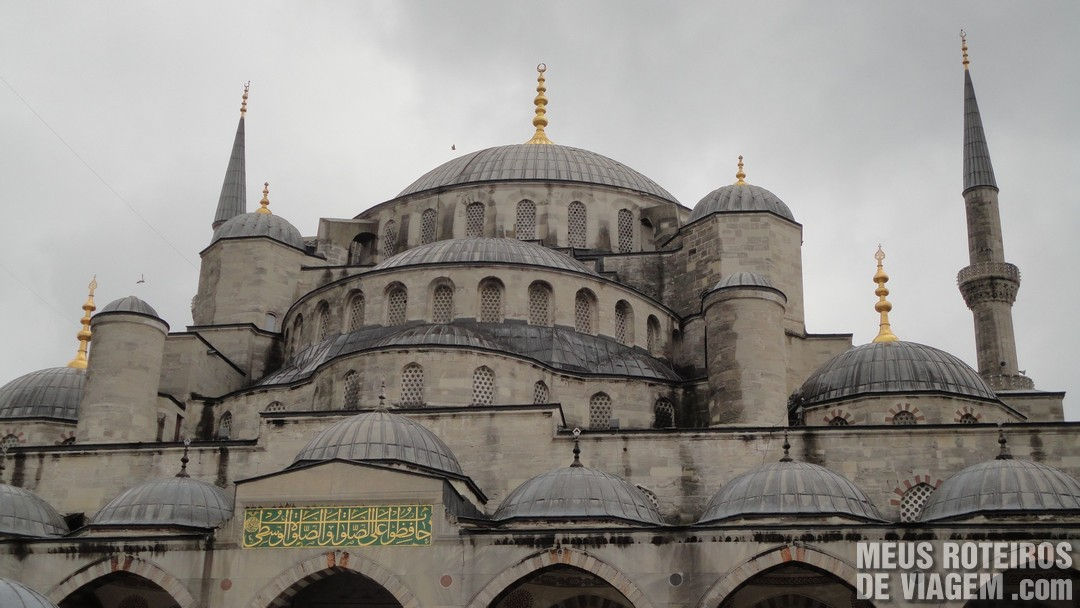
point(989, 282)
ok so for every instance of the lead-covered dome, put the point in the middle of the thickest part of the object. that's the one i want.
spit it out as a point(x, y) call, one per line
point(1004, 486)
point(129, 304)
point(439, 334)
point(484, 250)
point(531, 162)
point(381, 436)
point(53, 392)
point(789, 488)
point(23, 513)
point(578, 492)
point(740, 197)
point(259, 224)
point(174, 501)
point(14, 594)
point(892, 367)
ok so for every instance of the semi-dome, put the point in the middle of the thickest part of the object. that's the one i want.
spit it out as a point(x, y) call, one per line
point(542, 163)
point(381, 436)
point(441, 334)
point(259, 224)
point(54, 392)
point(892, 367)
point(744, 279)
point(129, 304)
point(789, 488)
point(14, 594)
point(740, 197)
point(578, 492)
point(23, 513)
point(484, 250)
point(1004, 486)
point(173, 501)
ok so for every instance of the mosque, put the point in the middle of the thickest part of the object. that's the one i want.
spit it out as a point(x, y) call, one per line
point(532, 379)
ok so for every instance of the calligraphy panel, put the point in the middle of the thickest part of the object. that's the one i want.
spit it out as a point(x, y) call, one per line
point(338, 526)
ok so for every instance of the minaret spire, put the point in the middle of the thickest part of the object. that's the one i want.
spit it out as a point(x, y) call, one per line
point(233, 199)
point(883, 306)
point(540, 120)
point(977, 168)
point(79, 362)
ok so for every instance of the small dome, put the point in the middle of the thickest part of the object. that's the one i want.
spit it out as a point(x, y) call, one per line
point(541, 163)
point(503, 251)
point(442, 334)
point(1005, 486)
point(54, 392)
point(740, 197)
point(173, 501)
point(578, 492)
point(381, 436)
point(892, 367)
point(259, 224)
point(23, 513)
point(129, 304)
point(744, 279)
point(789, 488)
point(17, 595)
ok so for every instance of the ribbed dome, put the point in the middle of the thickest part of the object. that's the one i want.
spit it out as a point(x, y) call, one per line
point(17, 595)
point(1004, 486)
point(129, 304)
point(381, 436)
point(744, 197)
point(789, 488)
point(449, 335)
point(54, 392)
point(744, 279)
point(530, 162)
point(892, 367)
point(260, 224)
point(173, 501)
point(23, 513)
point(578, 492)
point(505, 251)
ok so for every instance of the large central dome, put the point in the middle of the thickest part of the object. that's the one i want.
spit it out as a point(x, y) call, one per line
point(533, 162)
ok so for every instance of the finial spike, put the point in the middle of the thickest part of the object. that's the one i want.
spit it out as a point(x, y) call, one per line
point(577, 449)
point(184, 460)
point(243, 103)
point(382, 395)
point(540, 120)
point(883, 306)
point(264, 204)
point(787, 449)
point(964, 48)
point(84, 335)
point(1003, 444)
point(740, 175)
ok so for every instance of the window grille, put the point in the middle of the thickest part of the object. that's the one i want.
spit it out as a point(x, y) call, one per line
point(225, 426)
point(540, 392)
point(427, 226)
point(539, 304)
point(491, 305)
point(396, 302)
point(665, 414)
point(11, 440)
point(626, 231)
point(903, 418)
point(275, 406)
point(389, 239)
point(624, 323)
point(133, 601)
point(412, 384)
point(600, 411)
point(474, 220)
point(352, 390)
point(968, 418)
point(525, 228)
point(583, 312)
point(575, 226)
point(913, 501)
point(483, 386)
point(356, 312)
point(839, 421)
point(324, 321)
point(442, 304)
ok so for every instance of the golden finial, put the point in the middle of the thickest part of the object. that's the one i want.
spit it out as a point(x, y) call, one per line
point(79, 362)
point(243, 104)
point(883, 306)
point(740, 175)
point(264, 204)
point(540, 120)
point(963, 47)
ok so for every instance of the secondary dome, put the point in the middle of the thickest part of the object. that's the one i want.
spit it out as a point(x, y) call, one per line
point(54, 392)
point(740, 197)
point(578, 492)
point(1004, 486)
point(542, 163)
point(17, 595)
point(129, 304)
point(789, 488)
point(23, 513)
point(173, 501)
point(476, 250)
point(381, 436)
point(443, 334)
point(259, 224)
point(892, 367)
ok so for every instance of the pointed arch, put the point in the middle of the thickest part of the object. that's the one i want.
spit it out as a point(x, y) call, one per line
point(732, 579)
point(280, 591)
point(123, 563)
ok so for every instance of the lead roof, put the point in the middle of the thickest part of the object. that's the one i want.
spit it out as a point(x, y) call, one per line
point(977, 168)
point(23, 513)
point(172, 501)
point(1010, 485)
point(484, 249)
point(578, 492)
point(54, 392)
point(233, 198)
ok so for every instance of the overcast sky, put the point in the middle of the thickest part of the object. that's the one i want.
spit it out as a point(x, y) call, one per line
point(850, 112)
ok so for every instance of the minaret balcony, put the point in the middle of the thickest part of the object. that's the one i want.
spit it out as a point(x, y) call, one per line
point(989, 281)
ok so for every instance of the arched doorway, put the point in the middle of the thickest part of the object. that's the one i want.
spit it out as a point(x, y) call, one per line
point(561, 586)
point(794, 585)
point(362, 249)
point(119, 590)
point(342, 589)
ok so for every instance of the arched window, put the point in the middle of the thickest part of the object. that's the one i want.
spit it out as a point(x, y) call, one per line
point(540, 392)
point(474, 220)
point(968, 418)
point(626, 231)
point(540, 304)
point(903, 418)
point(600, 411)
point(396, 301)
point(483, 385)
point(225, 426)
point(624, 323)
point(275, 406)
point(585, 311)
point(412, 384)
point(442, 304)
point(653, 334)
point(352, 390)
point(665, 414)
point(297, 332)
point(525, 227)
point(427, 226)
point(389, 239)
point(356, 311)
point(324, 320)
point(491, 301)
point(362, 249)
point(913, 501)
point(839, 421)
point(270, 322)
point(575, 224)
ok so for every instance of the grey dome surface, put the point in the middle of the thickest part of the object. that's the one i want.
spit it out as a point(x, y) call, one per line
point(789, 488)
point(744, 279)
point(740, 197)
point(14, 594)
point(1003, 486)
point(891, 367)
point(129, 304)
point(476, 250)
point(438, 334)
point(578, 492)
point(259, 224)
point(23, 513)
point(173, 501)
point(381, 436)
point(532, 162)
point(53, 392)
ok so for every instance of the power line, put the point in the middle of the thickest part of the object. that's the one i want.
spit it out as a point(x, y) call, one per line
point(44, 301)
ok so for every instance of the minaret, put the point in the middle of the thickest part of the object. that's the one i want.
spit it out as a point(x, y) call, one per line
point(989, 284)
point(233, 199)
